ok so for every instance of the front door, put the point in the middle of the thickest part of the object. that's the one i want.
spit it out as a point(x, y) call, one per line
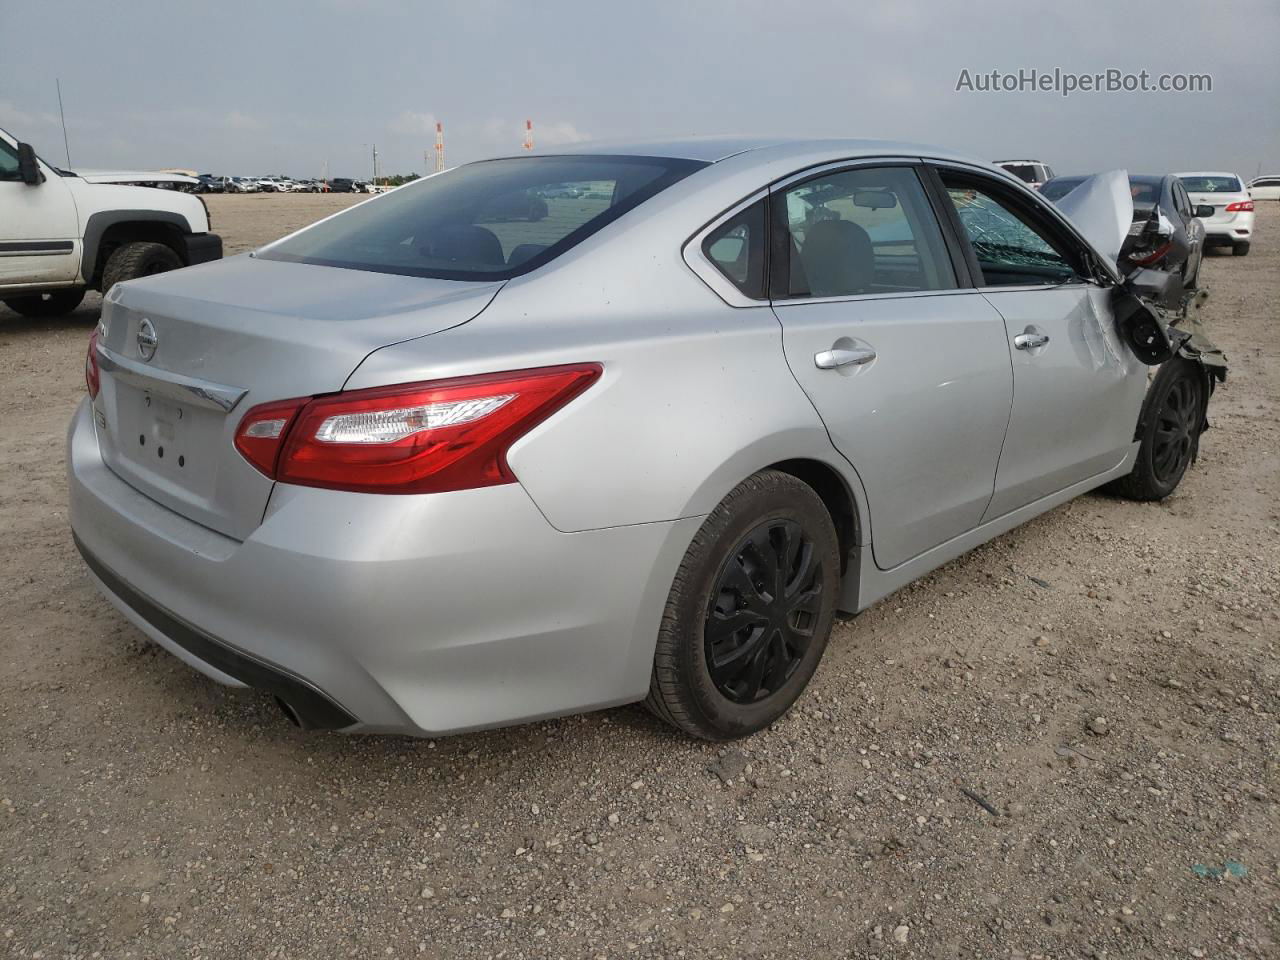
point(1077, 389)
point(909, 373)
point(39, 238)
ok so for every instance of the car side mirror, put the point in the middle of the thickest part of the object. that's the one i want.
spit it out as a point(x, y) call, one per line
point(28, 169)
point(1204, 211)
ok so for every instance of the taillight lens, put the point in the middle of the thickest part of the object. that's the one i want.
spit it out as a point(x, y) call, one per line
point(260, 436)
point(92, 378)
point(1146, 259)
point(415, 438)
point(1240, 206)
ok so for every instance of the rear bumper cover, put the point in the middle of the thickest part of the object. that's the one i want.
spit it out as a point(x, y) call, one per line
point(314, 709)
point(203, 247)
point(421, 615)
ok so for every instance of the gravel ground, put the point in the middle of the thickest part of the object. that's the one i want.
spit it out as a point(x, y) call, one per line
point(1029, 753)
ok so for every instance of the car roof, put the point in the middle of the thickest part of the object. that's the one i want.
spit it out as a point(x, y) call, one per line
point(1146, 178)
point(1208, 173)
point(1038, 162)
point(715, 149)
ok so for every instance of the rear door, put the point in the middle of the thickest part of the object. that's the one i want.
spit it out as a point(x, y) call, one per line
point(39, 229)
point(1076, 389)
point(908, 369)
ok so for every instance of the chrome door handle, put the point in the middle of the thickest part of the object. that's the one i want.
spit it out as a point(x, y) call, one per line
point(1029, 341)
point(830, 359)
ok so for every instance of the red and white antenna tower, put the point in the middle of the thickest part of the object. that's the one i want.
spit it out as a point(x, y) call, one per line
point(439, 147)
point(528, 134)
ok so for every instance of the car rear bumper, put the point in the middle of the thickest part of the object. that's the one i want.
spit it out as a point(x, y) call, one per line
point(422, 615)
point(1234, 230)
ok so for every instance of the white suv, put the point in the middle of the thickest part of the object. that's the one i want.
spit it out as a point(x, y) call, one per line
point(1232, 220)
point(1033, 173)
point(62, 234)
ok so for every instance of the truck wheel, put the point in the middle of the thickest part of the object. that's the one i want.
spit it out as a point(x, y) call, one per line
point(46, 304)
point(1240, 249)
point(1172, 418)
point(139, 259)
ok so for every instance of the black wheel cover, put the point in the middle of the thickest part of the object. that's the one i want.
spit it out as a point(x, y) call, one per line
point(1176, 427)
point(764, 606)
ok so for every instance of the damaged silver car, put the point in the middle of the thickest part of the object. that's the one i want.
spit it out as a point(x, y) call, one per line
point(442, 462)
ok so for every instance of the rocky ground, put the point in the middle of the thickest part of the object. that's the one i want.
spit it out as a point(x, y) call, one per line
point(1064, 744)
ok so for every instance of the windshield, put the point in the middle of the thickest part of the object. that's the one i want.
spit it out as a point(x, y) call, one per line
point(490, 220)
point(1059, 188)
point(1211, 184)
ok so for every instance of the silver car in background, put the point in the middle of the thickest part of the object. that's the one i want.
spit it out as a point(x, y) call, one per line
point(428, 466)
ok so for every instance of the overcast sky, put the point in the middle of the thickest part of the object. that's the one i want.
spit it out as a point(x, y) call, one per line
point(282, 87)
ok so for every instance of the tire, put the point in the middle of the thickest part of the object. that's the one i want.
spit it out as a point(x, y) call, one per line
point(1170, 426)
point(53, 304)
point(783, 640)
point(138, 259)
point(1240, 249)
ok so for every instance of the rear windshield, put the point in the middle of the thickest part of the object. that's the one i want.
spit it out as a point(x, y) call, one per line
point(484, 221)
point(1211, 184)
point(1026, 172)
point(1059, 188)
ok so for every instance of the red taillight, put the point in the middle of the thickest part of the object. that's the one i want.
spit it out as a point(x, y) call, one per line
point(92, 379)
point(1153, 256)
point(261, 433)
point(415, 438)
point(1240, 206)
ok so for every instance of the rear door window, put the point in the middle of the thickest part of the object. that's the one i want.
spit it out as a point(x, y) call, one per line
point(490, 220)
point(865, 231)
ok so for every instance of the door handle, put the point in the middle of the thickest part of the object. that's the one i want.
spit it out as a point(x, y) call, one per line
point(830, 359)
point(1029, 341)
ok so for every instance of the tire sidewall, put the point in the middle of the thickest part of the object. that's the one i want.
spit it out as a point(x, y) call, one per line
point(1169, 374)
point(729, 524)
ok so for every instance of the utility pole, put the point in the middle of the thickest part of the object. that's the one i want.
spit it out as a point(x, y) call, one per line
point(65, 145)
point(375, 164)
point(528, 135)
point(439, 147)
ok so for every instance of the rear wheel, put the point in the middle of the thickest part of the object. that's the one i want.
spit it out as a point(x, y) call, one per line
point(1173, 417)
point(139, 259)
point(1240, 249)
point(46, 304)
point(749, 612)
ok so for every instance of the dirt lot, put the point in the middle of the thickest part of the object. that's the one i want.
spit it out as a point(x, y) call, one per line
point(146, 812)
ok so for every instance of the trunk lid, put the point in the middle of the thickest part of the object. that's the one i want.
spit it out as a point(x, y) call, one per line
point(183, 355)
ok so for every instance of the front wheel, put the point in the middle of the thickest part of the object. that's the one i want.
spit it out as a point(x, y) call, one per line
point(140, 259)
point(46, 304)
point(750, 611)
point(1169, 431)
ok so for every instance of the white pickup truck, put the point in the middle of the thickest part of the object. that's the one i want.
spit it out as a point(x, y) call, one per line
point(62, 233)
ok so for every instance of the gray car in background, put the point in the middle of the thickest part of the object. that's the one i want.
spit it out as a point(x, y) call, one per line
point(428, 466)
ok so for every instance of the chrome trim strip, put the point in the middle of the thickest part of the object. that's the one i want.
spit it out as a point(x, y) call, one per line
point(199, 393)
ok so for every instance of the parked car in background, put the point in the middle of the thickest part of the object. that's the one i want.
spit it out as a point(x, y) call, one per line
point(241, 185)
point(1167, 232)
point(62, 232)
point(208, 183)
point(1033, 173)
point(562, 191)
point(640, 450)
point(1265, 188)
point(341, 185)
point(1231, 223)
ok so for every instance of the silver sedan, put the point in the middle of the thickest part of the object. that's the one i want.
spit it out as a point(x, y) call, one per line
point(547, 434)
